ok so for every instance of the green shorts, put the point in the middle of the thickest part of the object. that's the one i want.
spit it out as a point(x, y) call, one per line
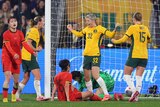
point(134, 62)
point(90, 61)
point(29, 65)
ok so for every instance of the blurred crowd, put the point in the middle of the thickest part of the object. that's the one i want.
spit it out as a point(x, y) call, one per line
point(23, 10)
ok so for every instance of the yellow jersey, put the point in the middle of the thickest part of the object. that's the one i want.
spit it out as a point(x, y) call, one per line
point(93, 39)
point(33, 34)
point(139, 35)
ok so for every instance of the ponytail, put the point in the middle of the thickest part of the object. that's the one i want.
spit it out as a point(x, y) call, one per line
point(35, 20)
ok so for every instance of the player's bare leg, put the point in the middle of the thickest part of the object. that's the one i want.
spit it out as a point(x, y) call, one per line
point(100, 81)
point(88, 81)
point(90, 95)
point(22, 85)
point(6, 85)
point(37, 77)
point(139, 73)
point(37, 87)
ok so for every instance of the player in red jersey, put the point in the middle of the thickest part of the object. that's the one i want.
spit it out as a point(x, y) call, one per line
point(13, 40)
point(66, 92)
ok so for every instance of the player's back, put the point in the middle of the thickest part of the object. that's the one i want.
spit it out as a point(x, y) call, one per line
point(60, 80)
point(62, 77)
point(34, 35)
point(139, 36)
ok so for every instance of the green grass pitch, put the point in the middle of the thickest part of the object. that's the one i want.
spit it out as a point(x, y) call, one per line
point(29, 101)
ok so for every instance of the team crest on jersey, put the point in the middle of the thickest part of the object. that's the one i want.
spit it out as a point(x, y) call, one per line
point(141, 27)
point(95, 31)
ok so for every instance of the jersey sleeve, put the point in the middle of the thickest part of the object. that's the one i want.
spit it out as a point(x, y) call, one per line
point(123, 39)
point(5, 37)
point(106, 32)
point(102, 29)
point(79, 34)
point(129, 32)
point(57, 81)
point(62, 79)
point(69, 77)
point(149, 36)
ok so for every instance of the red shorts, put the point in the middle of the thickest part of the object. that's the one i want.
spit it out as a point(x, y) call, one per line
point(76, 95)
point(10, 65)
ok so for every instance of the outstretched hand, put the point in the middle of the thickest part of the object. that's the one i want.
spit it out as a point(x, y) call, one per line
point(117, 25)
point(69, 26)
point(112, 40)
point(16, 56)
point(52, 99)
point(39, 48)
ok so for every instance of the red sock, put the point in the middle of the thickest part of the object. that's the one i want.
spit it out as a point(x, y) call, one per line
point(14, 90)
point(5, 92)
point(95, 98)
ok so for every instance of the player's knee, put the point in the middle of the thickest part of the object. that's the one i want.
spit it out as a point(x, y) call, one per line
point(15, 84)
point(37, 78)
point(6, 84)
point(8, 77)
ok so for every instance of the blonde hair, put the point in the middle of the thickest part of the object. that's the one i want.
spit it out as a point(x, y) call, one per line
point(91, 16)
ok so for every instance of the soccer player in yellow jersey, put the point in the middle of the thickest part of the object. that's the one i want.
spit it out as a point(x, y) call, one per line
point(29, 61)
point(92, 56)
point(138, 56)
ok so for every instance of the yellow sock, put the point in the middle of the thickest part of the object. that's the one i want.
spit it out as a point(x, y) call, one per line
point(13, 98)
point(5, 100)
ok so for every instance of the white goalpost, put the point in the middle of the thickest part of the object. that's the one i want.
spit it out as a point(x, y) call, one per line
point(47, 74)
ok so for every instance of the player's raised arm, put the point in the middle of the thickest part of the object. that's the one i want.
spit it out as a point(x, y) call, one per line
point(111, 34)
point(123, 39)
point(149, 40)
point(76, 33)
point(127, 35)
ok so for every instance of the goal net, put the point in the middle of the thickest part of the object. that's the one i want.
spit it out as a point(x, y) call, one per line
point(65, 45)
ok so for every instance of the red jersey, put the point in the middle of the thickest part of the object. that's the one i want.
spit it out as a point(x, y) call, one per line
point(15, 39)
point(60, 80)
